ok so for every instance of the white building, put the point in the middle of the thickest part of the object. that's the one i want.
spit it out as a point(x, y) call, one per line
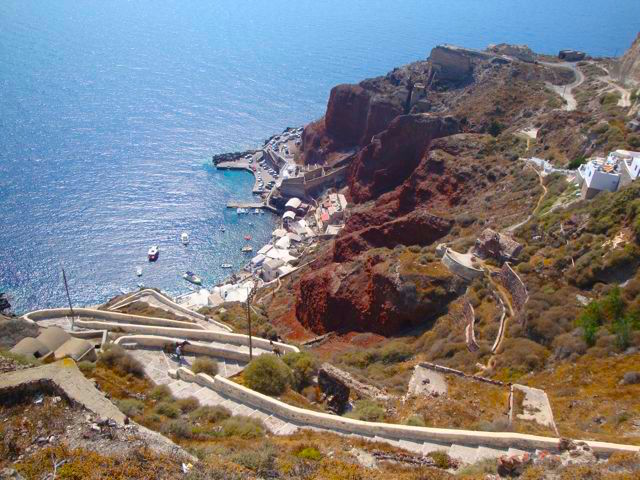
point(598, 175)
point(629, 165)
point(293, 203)
point(270, 269)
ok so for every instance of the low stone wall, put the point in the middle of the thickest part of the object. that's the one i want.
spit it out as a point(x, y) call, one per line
point(188, 334)
point(502, 322)
point(339, 424)
point(156, 341)
point(169, 303)
point(468, 273)
point(107, 316)
point(516, 287)
point(470, 319)
point(453, 371)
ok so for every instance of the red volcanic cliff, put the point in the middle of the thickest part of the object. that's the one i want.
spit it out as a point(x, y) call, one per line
point(395, 153)
point(354, 114)
point(374, 294)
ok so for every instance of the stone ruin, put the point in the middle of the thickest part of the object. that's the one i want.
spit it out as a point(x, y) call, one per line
point(491, 244)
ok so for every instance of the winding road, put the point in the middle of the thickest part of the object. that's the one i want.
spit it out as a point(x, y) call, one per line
point(566, 91)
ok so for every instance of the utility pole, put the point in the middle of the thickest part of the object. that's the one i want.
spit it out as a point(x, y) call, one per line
point(66, 287)
point(249, 297)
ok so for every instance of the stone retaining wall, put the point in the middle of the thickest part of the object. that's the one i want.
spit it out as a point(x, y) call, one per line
point(339, 424)
point(516, 287)
point(198, 348)
point(453, 371)
point(188, 334)
point(107, 316)
point(470, 319)
point(468, 273)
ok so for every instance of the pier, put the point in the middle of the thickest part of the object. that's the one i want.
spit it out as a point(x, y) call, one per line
point(251, 205)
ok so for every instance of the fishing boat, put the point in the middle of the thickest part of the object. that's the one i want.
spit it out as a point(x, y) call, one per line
point(226, 265)
point(247, 248)
point(192, 277)
point(257, 211)
point(184, 238)
point(222, 228)
point(242, 211)
point(247, 237)
point(139, 271)
point(153, 253)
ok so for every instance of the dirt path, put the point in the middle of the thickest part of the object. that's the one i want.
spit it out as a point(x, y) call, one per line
point(566, 91)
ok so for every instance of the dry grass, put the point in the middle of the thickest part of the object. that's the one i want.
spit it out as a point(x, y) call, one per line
point(588, 401)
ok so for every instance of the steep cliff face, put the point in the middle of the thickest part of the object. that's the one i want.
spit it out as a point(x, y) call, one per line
point(394, 154)
point(375, 294)
point(630, 62)
point(354, 114)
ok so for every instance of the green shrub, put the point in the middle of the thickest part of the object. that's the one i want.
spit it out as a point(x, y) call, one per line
point(441, 459)
point(610, 98)
point(576, 162)
point(28, 360)
point(415, 421)
point(168, 409)
point(303, 367)
point(179, 428)
point(268, 374)
point(261, 460)
point(210, 414)
point(86, 367)
point(188, 404)
point(395, 352)
point(205, 365)
point(161, 392)
point(309, 453)
point(241, 426)
point(367, 410)
point(130, 407)
point(114, 356)
point(495, 127)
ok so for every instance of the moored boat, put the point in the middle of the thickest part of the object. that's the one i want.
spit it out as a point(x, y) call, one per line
point(139, 271)
point(184, 238)
point(247, 237)
point(222, 228)
point(192, 277)
point(153, 253)
point(247, 248)
point(226, 265)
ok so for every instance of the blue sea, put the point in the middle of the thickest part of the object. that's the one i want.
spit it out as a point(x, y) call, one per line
point(110, 112)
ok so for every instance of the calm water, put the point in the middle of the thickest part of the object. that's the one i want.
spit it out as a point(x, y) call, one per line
point(109, 112)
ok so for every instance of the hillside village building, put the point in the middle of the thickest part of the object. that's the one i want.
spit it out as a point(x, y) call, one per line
point(620, 168)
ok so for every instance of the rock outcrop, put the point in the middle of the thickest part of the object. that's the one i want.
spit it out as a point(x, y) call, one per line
point(373, 294)
point(520, 52)
point(395, 153)
point(630, 63)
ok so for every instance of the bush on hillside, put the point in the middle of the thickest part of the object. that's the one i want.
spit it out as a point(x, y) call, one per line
point(367, 410)
point(210, 414)
point(14, 330)
point(161, 392)
point(116, 357)
point(303, 367)
point(130, 406)
point(205, 365)
point(188, 404)
point(268, 374)
point(241, 426)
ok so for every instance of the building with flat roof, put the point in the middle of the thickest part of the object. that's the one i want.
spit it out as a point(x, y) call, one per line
point(597, 175)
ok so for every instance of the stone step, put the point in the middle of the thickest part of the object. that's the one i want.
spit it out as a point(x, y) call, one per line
point(242, 409)
point(515, 451)
point(463, 453)
point(287, 429)
point(428, 447)
point(274, 423)
point(391, 441)
point(485, 453)
point(411, 445)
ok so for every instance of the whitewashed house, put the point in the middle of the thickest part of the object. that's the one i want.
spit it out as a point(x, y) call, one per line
point(598, 175)
point(629, 165)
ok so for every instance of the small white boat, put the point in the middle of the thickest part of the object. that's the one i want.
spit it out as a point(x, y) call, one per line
point(247, 248)
point(257, 211)
point(192, 277)
point(140, 285)
point(153, 253)
point(184, 238)
point(226, 265)
point(242, 211)
point(222, 228)
point(139, 271)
